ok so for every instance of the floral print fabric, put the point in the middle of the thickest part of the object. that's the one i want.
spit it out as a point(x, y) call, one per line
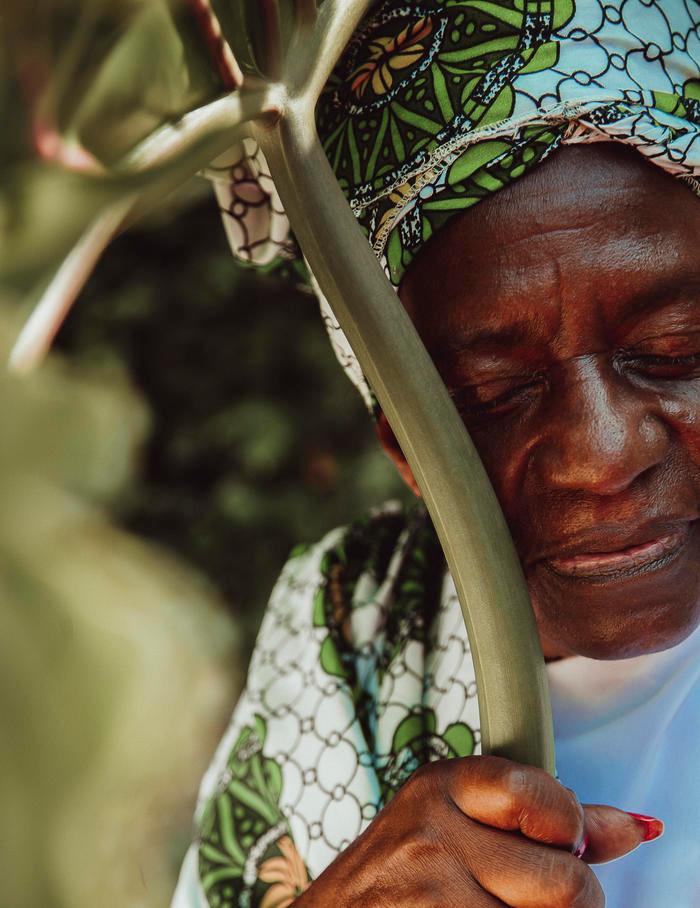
point(361, 673)
point(436, 105)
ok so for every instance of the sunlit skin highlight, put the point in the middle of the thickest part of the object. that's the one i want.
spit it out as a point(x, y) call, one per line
point(564, 316)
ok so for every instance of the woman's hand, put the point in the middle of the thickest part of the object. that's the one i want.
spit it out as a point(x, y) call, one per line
point(478, 832)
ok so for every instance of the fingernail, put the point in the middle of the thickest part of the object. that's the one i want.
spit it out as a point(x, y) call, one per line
point(580, 850)
point(653, 828)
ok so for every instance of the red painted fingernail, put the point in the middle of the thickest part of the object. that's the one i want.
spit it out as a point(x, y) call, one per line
point(653, 828)
point(581, 849)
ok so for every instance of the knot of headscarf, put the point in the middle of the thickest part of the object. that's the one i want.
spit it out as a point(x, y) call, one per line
point(435, 105)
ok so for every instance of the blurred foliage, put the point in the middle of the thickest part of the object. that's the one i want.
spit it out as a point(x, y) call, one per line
point(117, 664)
point(200, 407)
point(82, 84)
point(259, 441)
point(202, 410)
point(109, 105)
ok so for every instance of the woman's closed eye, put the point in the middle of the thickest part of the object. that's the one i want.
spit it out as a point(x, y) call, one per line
point(661, 366)
point(669, 366)
point(498, 397)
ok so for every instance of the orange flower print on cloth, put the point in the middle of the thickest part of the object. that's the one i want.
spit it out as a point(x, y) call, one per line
point(389, 54)
point(287, 874)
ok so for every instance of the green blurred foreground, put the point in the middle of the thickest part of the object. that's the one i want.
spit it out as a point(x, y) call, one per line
point(200, 408)
point(258, 439)
point(117, 665)
point(154, 479)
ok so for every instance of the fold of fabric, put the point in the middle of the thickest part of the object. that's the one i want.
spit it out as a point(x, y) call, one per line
point(361, 673)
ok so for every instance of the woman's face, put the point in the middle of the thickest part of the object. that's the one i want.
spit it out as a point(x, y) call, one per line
point(564, 316)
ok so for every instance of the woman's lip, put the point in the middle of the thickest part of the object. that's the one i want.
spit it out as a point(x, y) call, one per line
point(625, 560)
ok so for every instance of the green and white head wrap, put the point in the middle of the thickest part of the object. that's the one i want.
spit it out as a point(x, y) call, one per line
point(437, 104)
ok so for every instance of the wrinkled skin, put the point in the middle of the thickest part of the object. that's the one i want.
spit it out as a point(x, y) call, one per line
point(477, 832)
point(595, 256)
point(582, 422)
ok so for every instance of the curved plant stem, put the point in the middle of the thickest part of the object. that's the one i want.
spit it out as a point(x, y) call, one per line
point(313, 52)
point(224, 116)
point(513, 695)
point(512, 687)
point(305, 12)
point(43, 324)
point(219, 49)
point(268, 50)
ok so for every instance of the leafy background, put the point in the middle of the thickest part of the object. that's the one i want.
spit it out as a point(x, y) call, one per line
point(190, 428)
point(258, 439)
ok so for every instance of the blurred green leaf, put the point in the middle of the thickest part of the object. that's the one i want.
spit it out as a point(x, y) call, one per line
point(259, 441)
point(81, 84)
point(103, 638)
point(142, 83)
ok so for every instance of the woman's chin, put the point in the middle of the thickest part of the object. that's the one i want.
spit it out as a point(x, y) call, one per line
point(619, 616)
point(627, 645)
point(661, 628)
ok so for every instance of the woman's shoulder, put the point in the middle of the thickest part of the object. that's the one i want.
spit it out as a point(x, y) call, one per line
point(375, 560)
point(365, 541)
point(360, 673)
point(330, 596)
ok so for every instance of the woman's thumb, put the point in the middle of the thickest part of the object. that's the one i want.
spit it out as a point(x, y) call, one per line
point(610, 832)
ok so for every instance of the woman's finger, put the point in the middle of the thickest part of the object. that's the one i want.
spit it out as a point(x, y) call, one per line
point(523, 799)
point(612, 833)
point(533, 875)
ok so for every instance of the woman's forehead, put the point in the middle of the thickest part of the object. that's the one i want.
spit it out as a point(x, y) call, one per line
point(587, 241)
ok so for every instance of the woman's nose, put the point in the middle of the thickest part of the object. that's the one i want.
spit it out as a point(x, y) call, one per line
point(601, 432)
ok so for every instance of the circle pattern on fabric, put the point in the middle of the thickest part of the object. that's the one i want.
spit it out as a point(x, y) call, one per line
point(304, 768)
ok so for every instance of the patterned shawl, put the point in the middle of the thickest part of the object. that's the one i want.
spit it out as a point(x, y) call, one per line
point(361, 672)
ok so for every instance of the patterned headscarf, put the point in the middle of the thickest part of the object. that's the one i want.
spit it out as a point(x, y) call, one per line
point(435, 105)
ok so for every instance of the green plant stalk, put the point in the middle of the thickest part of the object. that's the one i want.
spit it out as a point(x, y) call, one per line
point(514, 706)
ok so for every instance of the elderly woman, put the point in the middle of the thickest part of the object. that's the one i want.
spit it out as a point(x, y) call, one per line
point(556, 284)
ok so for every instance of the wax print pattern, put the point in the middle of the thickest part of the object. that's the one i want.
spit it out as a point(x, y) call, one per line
point(255, 222)
point(361, 673)
point(435, 105)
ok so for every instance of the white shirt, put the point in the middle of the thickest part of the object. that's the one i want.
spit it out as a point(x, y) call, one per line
point(628, 734)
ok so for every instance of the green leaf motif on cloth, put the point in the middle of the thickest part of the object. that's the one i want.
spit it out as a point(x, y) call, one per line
point(416, 742)
point(562, 12)
point(460, 739)
point(414, 597)
point(242, 825)
point(361, 674)
point(474, 158)
point(331, 662)
point(415, 79)
point(545, 57)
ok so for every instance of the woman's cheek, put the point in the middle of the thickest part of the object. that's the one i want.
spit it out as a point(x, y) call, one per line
point(681, 411)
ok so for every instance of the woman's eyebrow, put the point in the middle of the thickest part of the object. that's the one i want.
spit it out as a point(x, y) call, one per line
point(665, 291)
point(486, 340)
